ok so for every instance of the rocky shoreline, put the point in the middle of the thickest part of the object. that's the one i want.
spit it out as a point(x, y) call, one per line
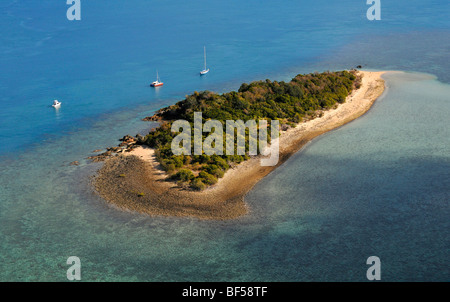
point(128, 143)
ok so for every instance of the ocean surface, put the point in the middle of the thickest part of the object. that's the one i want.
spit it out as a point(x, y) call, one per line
point(379, 186)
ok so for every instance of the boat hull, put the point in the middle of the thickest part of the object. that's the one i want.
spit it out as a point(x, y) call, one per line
point(56, 104)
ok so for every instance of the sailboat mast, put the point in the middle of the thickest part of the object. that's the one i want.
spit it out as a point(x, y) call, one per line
point(204, 52)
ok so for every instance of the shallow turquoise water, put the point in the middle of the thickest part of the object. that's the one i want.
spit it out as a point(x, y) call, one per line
point(377, 186)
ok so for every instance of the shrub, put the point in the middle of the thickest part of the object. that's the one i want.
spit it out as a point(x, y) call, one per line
point(178, 161)
point(235, 158)
point(170, 167)
point(183, 175)
point(207, 178)
point(198, 185)
point(214, 170)
point(220, 162)
point(187, 159)
point(219, 173)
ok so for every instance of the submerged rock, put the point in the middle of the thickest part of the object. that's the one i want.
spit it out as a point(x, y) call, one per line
point(101, 157)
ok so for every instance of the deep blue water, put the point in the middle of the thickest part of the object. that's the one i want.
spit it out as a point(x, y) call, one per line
point(317, 218)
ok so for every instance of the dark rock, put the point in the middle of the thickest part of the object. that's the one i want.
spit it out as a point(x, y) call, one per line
point(285, 127)
point(113, 149)
point(140, 139)
point(74, 163)
point(126, 138)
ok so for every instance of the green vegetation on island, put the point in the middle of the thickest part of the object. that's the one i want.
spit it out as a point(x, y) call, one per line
point(290, 103)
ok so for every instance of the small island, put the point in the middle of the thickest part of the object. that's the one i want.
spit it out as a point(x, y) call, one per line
point(143, 175)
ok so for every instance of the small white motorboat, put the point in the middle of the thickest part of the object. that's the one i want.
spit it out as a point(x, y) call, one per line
point(56, 104)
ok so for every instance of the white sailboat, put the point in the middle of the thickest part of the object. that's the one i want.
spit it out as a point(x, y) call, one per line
point(157, 83)
point(204, 71)
point(56, 104)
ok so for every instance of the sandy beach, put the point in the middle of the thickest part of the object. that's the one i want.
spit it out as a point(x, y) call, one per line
point(134, 181)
